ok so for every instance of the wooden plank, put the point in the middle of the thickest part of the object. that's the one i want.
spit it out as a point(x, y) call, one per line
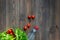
point(2, 15)
point(18, 10)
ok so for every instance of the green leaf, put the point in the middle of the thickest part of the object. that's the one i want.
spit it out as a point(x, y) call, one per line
point(20, 35)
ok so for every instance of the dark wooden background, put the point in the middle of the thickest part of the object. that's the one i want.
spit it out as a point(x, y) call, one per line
point(13, 13)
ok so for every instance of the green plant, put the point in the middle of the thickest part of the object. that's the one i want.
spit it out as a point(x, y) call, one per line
point(19, 35)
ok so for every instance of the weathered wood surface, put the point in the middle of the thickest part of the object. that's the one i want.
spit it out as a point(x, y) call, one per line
point(2, 15)
point(14, 13)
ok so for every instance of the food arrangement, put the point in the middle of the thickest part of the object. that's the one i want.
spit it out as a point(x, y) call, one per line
point(13, 35)
point(18, 34)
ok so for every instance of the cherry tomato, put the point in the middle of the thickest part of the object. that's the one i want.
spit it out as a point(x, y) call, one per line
point(9, 31)
point(33, 16)
point(25, 28)
point(28, 25)
point(36, 27)
point(29, 17)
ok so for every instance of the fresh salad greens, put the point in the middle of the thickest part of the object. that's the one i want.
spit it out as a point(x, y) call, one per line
point(20, 35)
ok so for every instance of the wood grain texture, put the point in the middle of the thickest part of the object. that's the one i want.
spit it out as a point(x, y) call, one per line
point(13, 13)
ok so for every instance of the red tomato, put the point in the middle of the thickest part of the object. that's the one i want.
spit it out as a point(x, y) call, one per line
point(33, 16)
point(9, 31)
point(29, 17)
point(28, 25)
point(36, 27)
point(25, 28)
